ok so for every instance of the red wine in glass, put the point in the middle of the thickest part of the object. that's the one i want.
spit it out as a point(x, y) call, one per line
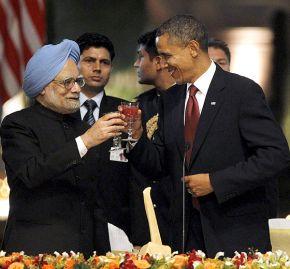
point(130, 110)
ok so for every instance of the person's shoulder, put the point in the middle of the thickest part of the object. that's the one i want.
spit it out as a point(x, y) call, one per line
point(20, 116)
point(174, 88)
point(114, 100)
point(174, 91)
point(147, 94)
point(241, 84)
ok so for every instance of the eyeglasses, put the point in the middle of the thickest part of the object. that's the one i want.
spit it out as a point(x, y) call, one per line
point(68, 83)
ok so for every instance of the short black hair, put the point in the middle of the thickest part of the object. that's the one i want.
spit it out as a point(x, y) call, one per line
point(185, 28)
point(219, 44)
point(87, 40)
point(148, 41)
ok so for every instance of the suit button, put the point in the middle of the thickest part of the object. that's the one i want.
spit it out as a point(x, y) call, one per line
point(65, 125)
point(154, 205)
point(154, 181)
point(74, 162)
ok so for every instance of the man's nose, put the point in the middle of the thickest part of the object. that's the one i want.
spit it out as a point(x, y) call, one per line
point(97, 66)
point(136, 64)
point(76, 88)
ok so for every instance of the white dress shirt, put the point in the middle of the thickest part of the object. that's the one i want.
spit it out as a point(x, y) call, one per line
point(98, 98)
point(202, 84)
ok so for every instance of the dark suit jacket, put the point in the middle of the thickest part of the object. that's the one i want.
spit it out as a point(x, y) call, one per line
point(242, 147)
point(113, 184)
point(160, 189)
point(57, 198)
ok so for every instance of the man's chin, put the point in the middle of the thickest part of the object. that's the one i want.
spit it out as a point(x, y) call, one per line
point(93, 87)
point(94, 84)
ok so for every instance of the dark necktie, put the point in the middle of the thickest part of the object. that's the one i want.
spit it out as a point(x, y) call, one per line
point(191, 121)
point(89, 117)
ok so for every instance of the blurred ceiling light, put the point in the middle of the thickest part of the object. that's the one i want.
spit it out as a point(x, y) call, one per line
point(251, 51)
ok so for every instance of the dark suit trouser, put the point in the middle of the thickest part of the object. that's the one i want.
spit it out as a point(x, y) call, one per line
point(194, 239)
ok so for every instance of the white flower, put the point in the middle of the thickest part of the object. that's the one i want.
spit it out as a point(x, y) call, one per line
point(237, 255)
point(200, 254)
point(174, 253)
point(219, 254)
point(228, 263)
point(259, 254)
point(2, 253)
point(65, 255)
point(56, 253)
point(75, 255)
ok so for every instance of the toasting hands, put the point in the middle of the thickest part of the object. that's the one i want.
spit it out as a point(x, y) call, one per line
point(106, 127)
point(137, 128)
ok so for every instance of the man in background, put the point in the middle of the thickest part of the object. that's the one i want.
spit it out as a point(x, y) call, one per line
point(219, 52)
point(150, 71)
point(96, 61)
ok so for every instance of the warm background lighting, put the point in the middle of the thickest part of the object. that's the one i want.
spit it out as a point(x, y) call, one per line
point(251, 50)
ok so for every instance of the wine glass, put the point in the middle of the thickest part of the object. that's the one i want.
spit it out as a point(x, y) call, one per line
point(117, 138)
point(130, 110)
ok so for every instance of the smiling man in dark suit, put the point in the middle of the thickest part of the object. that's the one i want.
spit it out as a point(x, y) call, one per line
point(54, 204)
point(220, 125)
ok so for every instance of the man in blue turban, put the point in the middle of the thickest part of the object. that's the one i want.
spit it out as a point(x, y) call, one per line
point(51, 160)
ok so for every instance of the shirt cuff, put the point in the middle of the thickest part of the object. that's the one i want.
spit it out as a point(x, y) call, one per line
point(81, 147)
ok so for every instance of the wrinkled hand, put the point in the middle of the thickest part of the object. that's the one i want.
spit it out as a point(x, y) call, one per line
point(137, 129)
point(198, 185)
point(106, 127)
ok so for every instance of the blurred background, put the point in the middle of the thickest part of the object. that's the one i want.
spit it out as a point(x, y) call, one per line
point(257, 32)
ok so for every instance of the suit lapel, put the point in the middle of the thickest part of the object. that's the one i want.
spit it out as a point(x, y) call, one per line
point(105, 107)
point(177, 103)
point(212, 104)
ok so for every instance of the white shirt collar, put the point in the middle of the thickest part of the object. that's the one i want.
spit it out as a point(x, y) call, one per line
point(203, 82)
point(97, 98)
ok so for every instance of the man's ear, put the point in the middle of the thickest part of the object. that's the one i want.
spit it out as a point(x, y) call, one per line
point(44, 89)
point(160, 63)
point(43, 92)
point(193, 48)
point(157, 62)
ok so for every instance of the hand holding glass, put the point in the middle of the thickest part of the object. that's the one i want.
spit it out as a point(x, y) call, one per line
point(116, 139)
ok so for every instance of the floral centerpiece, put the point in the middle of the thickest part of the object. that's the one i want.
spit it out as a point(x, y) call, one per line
point(192, 260)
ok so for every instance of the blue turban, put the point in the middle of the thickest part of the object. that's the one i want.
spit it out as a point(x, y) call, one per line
point(46, 63)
